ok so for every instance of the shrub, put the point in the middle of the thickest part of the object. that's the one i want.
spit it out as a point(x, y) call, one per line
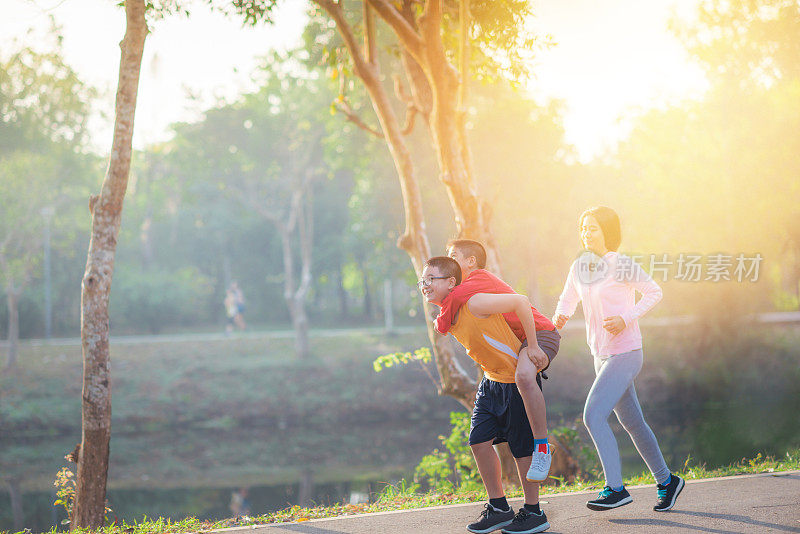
point(152, 299)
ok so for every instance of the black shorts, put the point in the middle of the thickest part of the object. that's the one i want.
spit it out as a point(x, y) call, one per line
point(499, 415)
point(499, 412)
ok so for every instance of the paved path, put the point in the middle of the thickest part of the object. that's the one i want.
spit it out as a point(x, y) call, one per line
point(773, 318)
point(221, 336)
point(748, 503)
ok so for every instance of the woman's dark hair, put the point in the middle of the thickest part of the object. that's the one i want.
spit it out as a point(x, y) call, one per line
point(609, 224)
point(447, 266)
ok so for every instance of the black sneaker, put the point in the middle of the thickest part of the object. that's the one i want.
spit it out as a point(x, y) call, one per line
point(526, 522)
point(491, 519)
point(609, 499)
point(668, 494)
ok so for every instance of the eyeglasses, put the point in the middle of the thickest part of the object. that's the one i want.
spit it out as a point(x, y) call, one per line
point(425, 282)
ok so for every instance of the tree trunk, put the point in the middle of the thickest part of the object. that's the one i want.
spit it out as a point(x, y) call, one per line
point(305, 233)
point(289, 295)
point(438, 93)
point(301, 214)
point(90, 494)
point(454, 381)
point(344, 310)
point(305, 489)
point(388, 305)
point(436, 89)
point(12, 299)
point(300, 325)
point(448, 131)
point(16, 504)
point(146, 237)
point(369, 310)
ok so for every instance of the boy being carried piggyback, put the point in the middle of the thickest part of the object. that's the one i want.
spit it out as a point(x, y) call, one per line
point(475, 319)
point(471, 258)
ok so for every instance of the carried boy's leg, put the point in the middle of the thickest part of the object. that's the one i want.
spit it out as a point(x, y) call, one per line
point(532, 396)
point(536, 411)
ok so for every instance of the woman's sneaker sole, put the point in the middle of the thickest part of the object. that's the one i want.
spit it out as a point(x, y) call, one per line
point(602, 507)
point(678, 491)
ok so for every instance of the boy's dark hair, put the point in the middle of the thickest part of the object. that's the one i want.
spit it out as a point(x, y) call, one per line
point(609, 224)
point(447, 266)
point(469, 248)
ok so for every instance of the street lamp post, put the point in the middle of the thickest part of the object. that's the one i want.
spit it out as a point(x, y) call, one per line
point(47, 213)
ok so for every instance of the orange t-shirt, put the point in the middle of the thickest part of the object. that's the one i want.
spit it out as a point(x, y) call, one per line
point(490, 342)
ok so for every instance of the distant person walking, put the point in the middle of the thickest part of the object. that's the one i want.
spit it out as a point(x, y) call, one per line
point(605, 283)
point(230, 310)
point(239, 505)
point(234, 307)
point(238, 297)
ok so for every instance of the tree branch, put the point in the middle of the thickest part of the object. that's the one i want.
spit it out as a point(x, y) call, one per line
point(294, 210)
point(464, 53)
point(345, 108)
point(411, 107)
point(306, 235)
point(400, 91)
point(370, 44)
point(409, 38)
point(411, 120)
point(334, 9)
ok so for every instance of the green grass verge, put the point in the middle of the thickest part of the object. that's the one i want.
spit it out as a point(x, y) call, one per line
point(403, 497)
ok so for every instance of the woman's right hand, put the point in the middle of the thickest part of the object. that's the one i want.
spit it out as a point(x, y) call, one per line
point(560, 320)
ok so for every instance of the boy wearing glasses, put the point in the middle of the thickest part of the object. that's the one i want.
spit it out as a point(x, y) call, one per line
point(471, 258)
point(499, 413)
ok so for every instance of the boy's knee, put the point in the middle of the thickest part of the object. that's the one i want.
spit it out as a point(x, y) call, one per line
point(479, 447)
point(525, 377)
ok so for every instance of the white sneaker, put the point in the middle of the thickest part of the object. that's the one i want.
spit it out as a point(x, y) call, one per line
point(540, 466)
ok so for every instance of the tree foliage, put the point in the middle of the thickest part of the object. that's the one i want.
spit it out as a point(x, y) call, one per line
point(749, 42)
point(44, 109)
point(42, 100)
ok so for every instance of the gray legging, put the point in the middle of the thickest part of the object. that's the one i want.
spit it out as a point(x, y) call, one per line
point(613, 390)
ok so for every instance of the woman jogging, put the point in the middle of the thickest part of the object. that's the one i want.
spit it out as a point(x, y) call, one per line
point(605, 283)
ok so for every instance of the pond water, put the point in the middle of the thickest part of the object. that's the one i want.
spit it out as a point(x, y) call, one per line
point(208, 473)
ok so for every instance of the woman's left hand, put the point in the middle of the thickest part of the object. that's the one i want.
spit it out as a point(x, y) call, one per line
point(614, 325)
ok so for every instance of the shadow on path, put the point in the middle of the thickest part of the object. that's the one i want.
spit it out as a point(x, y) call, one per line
point(740, 519)
point(707, 515)
point(307, 529)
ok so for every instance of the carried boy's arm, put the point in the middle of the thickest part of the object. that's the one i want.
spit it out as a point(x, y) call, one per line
point(485, 304)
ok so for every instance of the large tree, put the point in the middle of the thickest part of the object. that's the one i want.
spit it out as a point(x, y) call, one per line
point(281, 159)
point(106, 208)
point(273, 160)
point(428, 38)
point(432, 40)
